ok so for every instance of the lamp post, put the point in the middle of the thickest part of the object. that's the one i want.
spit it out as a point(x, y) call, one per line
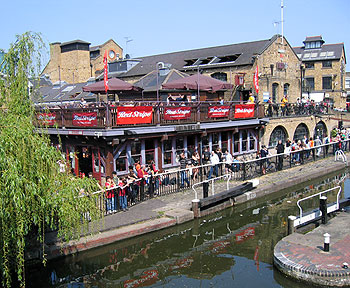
point(157, 70)
point(302, 76)
point(198, 96)
point(157, 81)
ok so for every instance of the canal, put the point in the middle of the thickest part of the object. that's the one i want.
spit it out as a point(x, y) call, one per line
point(232, 248)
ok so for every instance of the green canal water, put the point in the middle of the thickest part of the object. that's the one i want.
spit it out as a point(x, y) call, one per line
point(232, 248)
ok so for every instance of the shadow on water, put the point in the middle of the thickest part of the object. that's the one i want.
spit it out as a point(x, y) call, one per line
point(232, 248)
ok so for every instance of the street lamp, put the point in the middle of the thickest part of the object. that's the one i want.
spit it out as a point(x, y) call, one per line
point(157, 70)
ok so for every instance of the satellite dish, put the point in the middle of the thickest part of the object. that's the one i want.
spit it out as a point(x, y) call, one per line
point(127, 56)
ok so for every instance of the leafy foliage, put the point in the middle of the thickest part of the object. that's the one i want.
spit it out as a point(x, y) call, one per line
point(34, 194)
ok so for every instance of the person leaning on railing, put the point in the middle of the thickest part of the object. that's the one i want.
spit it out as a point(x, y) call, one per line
point(110, 201)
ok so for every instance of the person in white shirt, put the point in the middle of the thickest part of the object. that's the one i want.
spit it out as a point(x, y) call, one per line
point(228, 161)
point(214, 160)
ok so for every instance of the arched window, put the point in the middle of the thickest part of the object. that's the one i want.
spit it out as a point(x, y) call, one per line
point(300, 132)
point(279, 133)
point(285, 89)
point(219, 76)
point(320, 130)
point(274, 92)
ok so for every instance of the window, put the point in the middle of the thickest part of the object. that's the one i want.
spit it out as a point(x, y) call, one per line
point(310, 83)
point(135, 152)
point(219, 76)
point(300, 132)
point(274, 92)
point(320, 130)
point(224, 141)
point(149, 150)
point(215, 141)
point(205, 142)
point(244, 136)
point(179, 145)
point(310, 65)
point(121, 161)
point(286, 89)
point(347, 83)
point(279, 133)
point(252, 141)
point(327, 64)
point(235, 143)
point(167, 152)
point(327, 82)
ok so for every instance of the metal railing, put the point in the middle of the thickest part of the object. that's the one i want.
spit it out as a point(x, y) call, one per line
point(161, 184)
point(274, 110)
point(227, 176)
point(302, 219)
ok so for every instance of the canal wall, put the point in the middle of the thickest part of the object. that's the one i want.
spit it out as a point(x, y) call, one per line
point(159, 213)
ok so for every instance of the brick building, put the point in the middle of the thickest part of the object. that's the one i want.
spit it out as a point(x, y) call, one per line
point(75, 61)
point(324, 70)
point(279, 67)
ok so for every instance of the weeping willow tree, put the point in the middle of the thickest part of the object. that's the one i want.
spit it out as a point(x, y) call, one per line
point(34, 194)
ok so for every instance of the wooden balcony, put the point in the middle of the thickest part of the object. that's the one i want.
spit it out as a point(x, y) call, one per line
point(105, 116)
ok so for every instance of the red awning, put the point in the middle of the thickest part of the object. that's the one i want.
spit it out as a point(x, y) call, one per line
point(114, 84)
point(206, 83)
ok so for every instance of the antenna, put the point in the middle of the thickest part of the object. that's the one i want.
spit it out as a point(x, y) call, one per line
point(282, 19)
point(127, 40)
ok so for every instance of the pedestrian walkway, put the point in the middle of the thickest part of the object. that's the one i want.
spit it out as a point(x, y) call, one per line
point(178, 205)
point(303, 256)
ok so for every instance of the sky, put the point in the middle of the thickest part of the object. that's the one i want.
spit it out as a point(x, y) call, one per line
point(162, 26)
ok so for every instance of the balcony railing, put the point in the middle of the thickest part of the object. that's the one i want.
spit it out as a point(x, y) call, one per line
point(273, 110)
point(109, 116)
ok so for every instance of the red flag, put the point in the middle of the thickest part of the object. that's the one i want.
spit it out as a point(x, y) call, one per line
point(105, 71)
point(256, 80)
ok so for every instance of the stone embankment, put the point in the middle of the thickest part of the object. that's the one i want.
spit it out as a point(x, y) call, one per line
point(166, 211)
point(303, 256)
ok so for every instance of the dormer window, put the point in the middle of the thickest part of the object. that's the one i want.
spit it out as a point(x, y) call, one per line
point(313, 45)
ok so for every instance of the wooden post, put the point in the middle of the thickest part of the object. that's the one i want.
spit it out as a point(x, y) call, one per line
point(195, 208)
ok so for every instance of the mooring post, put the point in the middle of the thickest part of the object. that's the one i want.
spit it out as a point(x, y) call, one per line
point(327, 239)
point(205, 189)
point(291, 228)
point(323, 208)
point(195, 208)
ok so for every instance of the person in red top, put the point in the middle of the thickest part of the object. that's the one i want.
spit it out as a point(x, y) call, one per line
point(110, 201)
point(141, 174)
point(124, 185)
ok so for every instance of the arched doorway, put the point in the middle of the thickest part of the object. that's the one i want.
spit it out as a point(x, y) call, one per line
point(320, 130)
point(274, 92)
point(300, 132)
point(279, 133)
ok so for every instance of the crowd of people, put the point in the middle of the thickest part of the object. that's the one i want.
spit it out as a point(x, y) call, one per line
point(144, 181)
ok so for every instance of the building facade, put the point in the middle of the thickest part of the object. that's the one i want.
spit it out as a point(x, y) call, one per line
point(323, 70)
point(76, 62)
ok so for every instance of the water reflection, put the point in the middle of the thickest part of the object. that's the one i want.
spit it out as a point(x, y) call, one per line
point(230, 248)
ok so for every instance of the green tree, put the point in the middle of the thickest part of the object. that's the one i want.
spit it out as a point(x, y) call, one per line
point(34, 194)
